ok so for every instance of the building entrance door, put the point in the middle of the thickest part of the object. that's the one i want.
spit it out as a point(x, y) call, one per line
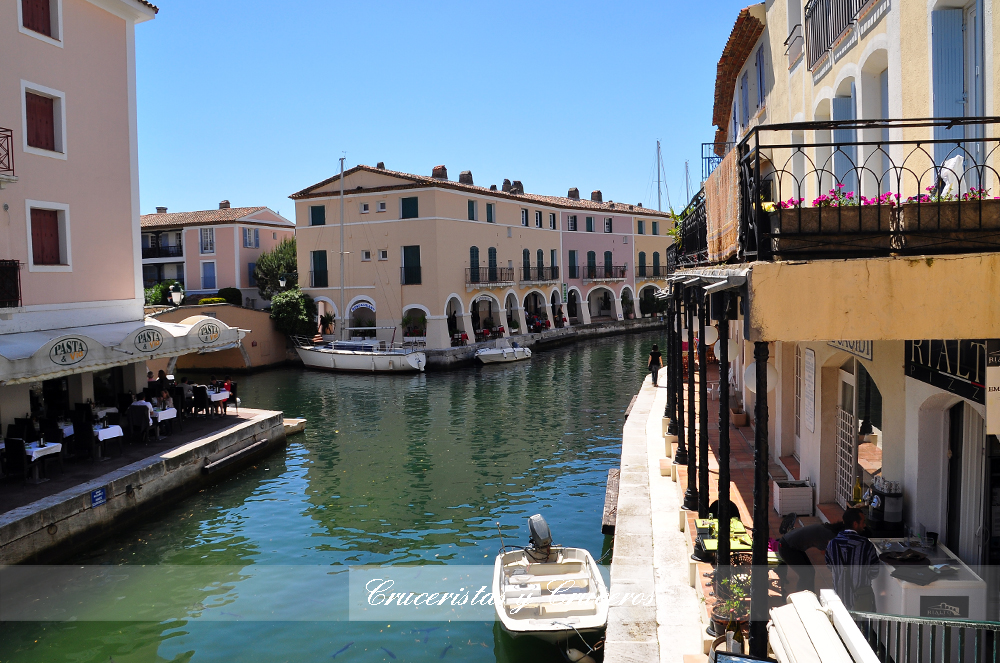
point(966, 532)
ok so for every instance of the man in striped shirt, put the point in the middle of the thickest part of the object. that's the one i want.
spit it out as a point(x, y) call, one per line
point(854, 562)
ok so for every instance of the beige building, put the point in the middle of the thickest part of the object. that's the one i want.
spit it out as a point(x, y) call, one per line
point(430, 259)
point(877, 318)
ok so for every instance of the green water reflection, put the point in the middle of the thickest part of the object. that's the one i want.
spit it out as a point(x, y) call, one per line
point(391, 470)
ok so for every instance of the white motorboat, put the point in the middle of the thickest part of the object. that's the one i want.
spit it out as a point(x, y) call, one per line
point(549, 592)
point(369, 356)
point(500, 351)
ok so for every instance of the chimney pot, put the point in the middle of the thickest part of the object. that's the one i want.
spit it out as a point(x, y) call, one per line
point(517, 188)
point(224, 204)
point(595, 196)
point(574, 193)
point(439, 173)
point(639, 205)
point(161, 210)
point(380, 165)
point(493, 187)
point(506, 185)
point(465, 177)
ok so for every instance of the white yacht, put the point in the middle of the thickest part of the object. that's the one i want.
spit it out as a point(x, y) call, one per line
point(550, 592)
point(367, 355)
point(501, 351)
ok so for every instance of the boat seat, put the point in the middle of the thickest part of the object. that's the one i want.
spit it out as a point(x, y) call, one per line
point(525, 579)
point(575, 601)
point(554, 568)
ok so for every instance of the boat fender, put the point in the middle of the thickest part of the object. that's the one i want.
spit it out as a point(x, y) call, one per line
point(578, 656)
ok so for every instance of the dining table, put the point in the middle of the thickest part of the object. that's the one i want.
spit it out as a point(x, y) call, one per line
point(159, 416)
point(36, 451)
point(101, 434)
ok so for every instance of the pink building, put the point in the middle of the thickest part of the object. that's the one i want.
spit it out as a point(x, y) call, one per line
point(72, 327)
point(210, 250)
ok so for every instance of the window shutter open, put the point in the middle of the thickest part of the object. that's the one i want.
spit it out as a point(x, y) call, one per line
point(45, 237)
point(948, 76)
point(41, 125)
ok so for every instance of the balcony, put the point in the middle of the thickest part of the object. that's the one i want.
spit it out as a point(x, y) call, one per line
point(826, 21)
point(149, 283)
point(574, 271)
point(319, 279)
point(539, 274)
point(712, 155)
point(410, 275)
point(169, 251)
point(647, 272)
point(794, 45)
point(593, 273)
point(489, 277)
point(851, 192)
point(10, 283)
point(7, 175)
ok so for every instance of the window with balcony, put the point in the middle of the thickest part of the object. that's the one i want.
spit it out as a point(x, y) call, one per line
point(552, 220)
point(642, 263)
point(318, 275)
point(640, 227)
point(208, 275)
point(590, 224)
point(656, 263)
point(491, 263)
point(408, 208)
point(526, 264)
point(571, 222)
point(607, 224)
point(251, 238)
point(574, 271)
point(317, 215)
point(538, 219)
point(591, 265)
point(474, 264)
point(491, 213)
point(411, 266)
point(208, 240)
point(524, 217)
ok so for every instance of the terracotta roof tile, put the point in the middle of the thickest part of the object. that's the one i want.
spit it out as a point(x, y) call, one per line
point(423, 180)
point(205, 218)
point(745, 34)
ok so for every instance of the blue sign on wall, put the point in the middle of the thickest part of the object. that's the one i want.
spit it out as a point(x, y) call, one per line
point(98, 497)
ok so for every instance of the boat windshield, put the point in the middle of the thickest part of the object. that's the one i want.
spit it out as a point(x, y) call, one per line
point(502, 344)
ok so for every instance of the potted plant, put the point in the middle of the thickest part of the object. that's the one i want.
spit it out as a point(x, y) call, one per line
point(326, 324)
point(731, 610)
point(736, 414)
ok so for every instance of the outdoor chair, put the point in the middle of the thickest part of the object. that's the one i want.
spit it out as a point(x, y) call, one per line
point(177, 393)
point(28, 428)
point(137, 417)
point(84, 441)
point(16, 432)
point(16, 457)
point(201, 400)
point(232, 400)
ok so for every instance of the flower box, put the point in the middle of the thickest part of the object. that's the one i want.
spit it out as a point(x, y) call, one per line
point(952, 226)
point(864, 229)
point(793, 497)
point(738, 418)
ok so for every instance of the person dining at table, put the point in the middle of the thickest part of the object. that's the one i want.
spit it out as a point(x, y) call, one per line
point(165, 402)
point(141, 400)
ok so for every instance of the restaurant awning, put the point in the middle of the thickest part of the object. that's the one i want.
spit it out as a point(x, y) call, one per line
point(43, 355)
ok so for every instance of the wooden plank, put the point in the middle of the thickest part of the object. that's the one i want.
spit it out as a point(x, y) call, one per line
point(611, 502)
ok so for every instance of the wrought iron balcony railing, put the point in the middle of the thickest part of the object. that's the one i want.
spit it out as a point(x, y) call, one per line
point(604, 272)
point(539, 274)
point(149, 283)
point(410, 275)
point(489, 277)
point(826, 21)
point(694, 232)
point(169, 251)
point(712, 155)
point(794, 44)
point(10, 283)
point(6, 152)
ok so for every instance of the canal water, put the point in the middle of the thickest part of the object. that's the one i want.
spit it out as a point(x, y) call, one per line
point(391, 470)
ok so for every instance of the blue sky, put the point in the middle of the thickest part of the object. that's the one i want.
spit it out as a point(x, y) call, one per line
point(251, 101)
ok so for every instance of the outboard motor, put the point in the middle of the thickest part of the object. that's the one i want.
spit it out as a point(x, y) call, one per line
point(540, 538)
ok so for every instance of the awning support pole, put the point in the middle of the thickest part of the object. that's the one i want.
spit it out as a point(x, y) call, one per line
point(759, 581)
point(703, 495)
point(691, 496)
point(677, 365)
point(722, 555)
point(670, 412)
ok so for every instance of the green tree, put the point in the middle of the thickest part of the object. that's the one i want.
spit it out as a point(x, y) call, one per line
point(270, 267)
point(159, 294)
point(294, 313)
point(232, 296)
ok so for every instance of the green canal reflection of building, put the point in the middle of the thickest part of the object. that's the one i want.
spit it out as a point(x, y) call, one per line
point(391, 470)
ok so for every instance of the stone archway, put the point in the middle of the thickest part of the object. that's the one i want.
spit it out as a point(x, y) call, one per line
point(556, 310)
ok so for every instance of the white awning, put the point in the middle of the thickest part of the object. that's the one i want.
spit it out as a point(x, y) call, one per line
point(43, 355)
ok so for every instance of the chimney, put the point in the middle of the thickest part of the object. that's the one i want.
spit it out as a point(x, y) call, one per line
point(439, 173)
point(224, 204)
point(506, 185)
point(380, 165)
point(517, 188)
point(574, 193)
point(595, 196)
point(465, 177)
point(493, 187)
point(639, 205)
point(161, 210)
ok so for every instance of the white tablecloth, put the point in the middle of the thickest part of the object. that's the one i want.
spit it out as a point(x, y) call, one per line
point(163, 415)
point(67, 429)
point(216, 397)
point(35, 452)
point(108, 433)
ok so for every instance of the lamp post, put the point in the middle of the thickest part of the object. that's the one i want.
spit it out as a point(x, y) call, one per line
point(176, 295)
point(282, 280)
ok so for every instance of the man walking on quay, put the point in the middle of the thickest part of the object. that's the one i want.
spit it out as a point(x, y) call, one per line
point(854, 562)
point(655, 362)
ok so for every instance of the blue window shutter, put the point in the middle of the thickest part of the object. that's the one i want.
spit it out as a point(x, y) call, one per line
point(846, 158)
point(948, 75)
point(252, 269)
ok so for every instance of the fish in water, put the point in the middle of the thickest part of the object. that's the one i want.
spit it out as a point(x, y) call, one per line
point(425, 631)
point(445, 651)
point(391, 655)
point(343, 649)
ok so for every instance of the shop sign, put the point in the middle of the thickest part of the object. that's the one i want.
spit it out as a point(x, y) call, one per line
point(209, 332)
point(993, 387)
point(68, 351)
point(484, 299)
point(809, 389)
point(360, 305)
point(957, 366)
point(98, 497)
point(861, 349)
point(947, 607)
point(565, 292)
point(148, 340)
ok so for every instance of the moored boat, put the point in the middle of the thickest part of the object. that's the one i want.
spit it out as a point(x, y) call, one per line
point(502, 351)
point(368, 356)
point(549, 592)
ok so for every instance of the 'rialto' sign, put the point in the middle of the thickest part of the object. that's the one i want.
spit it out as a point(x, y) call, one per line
point(958, 366)
point(68, 351)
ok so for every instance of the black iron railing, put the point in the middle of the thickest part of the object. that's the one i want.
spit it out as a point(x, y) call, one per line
point(605, 272)
point(712, 155)
point(671, 266)
point(410, 275)
point(6, 152)
point(319, 278)
point(149, 283)
point(694, 232)
point(169, 251)
point(851, 192)
point(10, 283)
point(574, 271)
point(794, 44)
point(927, 640)
point(489, 276)
point(539, 274)
point(826, 21)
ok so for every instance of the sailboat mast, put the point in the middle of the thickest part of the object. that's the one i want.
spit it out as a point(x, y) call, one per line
point(343, 313)
point(687, 181)
point(659, 203)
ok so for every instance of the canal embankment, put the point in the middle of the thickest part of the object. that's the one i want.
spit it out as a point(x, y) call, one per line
point(59, 524)
point(650, 552)
point(446, 358)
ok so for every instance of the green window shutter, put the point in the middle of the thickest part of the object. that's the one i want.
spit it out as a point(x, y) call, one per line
point(489, 213)
point(317, 215)
point(409, 208)
point(472, 210)
point(572, 259)
point(656, 227)
point(590, 224)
